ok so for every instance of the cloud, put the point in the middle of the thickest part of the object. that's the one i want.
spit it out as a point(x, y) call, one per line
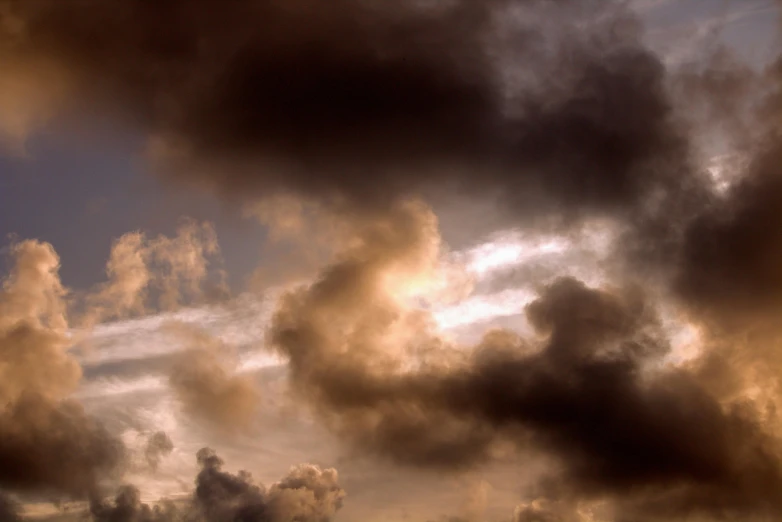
point(363, 104)
point(47, 442)
point(558, 111)
point(55, 447)
point(544, 511)
point(173, 269)
point(129, 277)
point(728, 266)
point(33, 336)
point(589, 390)
point(204, 380)
point(306, 494)
point(9, 510)
point(158, 446)
point(183, 262)
point(127, 507)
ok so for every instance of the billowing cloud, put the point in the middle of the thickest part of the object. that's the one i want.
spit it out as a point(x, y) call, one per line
point(183, 263)
point(367, 103)
point(127, 507)
point(126, 291)
point(33, 327)
point(206, 382)
point(47, 442)
point(306, 494)
point(167, 271)
point(54, 447)
point(591, 390)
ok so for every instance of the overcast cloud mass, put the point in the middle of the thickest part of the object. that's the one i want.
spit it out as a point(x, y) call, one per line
point(425, 260)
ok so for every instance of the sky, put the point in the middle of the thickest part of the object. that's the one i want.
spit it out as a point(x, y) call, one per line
point(420, 260)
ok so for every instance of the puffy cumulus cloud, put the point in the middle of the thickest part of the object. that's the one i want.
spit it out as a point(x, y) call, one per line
point(127, 507)
point(590, 389)
point(351, 328)
point(33, 327)
point(47, 443)
point(167, 270)
point(542, 510)
point(125, 291)
point(204, 379)
point(182, 263)
point(306, 494)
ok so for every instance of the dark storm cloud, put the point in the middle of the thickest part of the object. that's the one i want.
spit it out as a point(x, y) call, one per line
point(590, 391)
point(728, 280)
point(9, 510)
point(557, 104)
point(54, 448)
point(731, 265)
point(306, 494)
